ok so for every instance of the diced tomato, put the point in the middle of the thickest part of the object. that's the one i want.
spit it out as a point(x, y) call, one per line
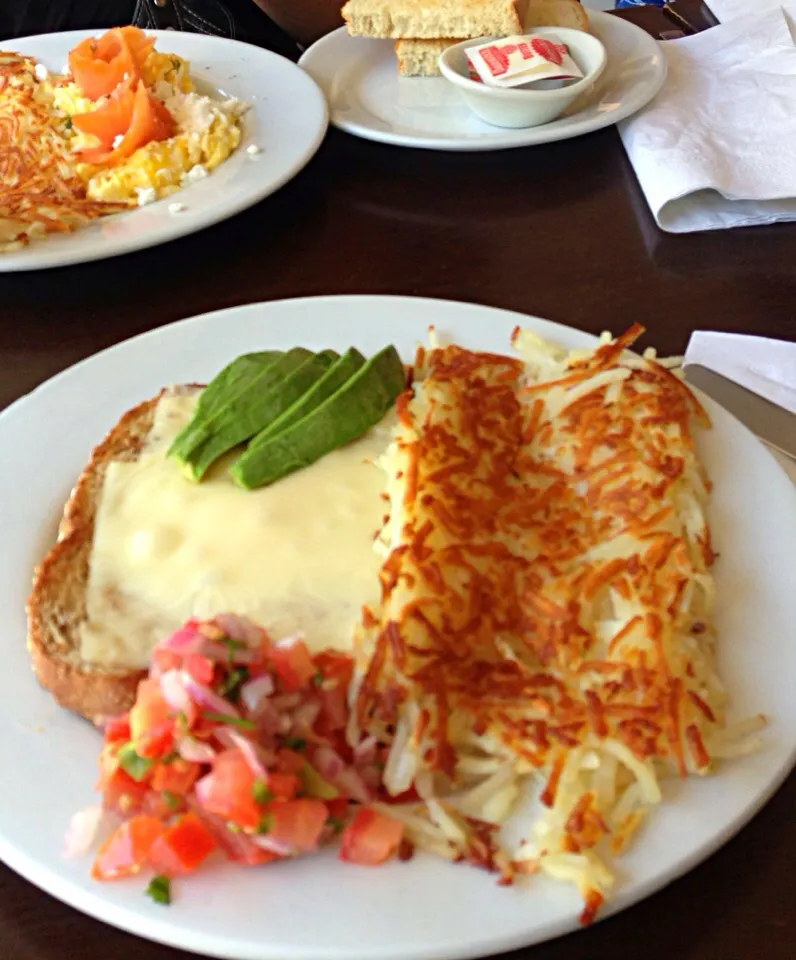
point(238, 847)
point(121, 793)
point(182, 847)
point(284, 786)
point(199, 667)
point(164, 659)
point(117, 729)
point(298, 823)
point(156, 742)
point(338, 807)
point(371, 838)
point(177, 777)
point(150, 709)
point(289, 761)
point(294, 665)
point(335, 666)
point(228, 791)
point(127, 849)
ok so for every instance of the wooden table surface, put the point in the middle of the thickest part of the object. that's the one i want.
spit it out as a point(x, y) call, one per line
point(560, 231)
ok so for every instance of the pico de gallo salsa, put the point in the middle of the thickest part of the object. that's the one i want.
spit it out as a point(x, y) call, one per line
point(235, 745)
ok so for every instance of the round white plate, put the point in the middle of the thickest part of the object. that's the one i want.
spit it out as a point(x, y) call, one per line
point(318, 908)
point(367, 97)
point(287, 120)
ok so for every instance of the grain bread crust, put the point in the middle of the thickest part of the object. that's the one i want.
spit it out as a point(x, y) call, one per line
point(556, 13)
point(57, 603)
point(431, 19)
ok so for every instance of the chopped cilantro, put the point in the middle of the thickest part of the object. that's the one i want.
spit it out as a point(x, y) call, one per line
point(317, 679)
point(159, 890)
point(137, 767)
point(260, 792)
point(232, 827)
point(230, 687)
point(335, 823)
point(266, 823)
point(172, 801)
point(295, 743)
point(68, 123)
point(233, 721)
point(232, 646)
point(170, 757)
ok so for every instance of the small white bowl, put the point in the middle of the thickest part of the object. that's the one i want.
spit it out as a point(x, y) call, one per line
point(528, 107)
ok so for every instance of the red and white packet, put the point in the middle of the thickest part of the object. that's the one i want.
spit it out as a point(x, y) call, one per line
point(524, 59)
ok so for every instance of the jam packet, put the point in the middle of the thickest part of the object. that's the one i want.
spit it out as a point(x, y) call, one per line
point(526, 59)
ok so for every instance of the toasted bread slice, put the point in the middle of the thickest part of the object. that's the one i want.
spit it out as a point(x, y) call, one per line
point(420, 58)
point(430, 19)
point(556, 13)
point(57, 603)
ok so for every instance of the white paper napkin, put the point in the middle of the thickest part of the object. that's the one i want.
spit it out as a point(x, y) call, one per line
point(726, 10)
point(763, 365)
point(717, 146)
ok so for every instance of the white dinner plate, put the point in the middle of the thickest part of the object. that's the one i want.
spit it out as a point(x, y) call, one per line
point(287, 121)
point(368, 98)
point(319, 908)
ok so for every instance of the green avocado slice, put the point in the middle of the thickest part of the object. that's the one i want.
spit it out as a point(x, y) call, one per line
point(225, 387)
point(335, 377)
point(348, 413)
point(252, 412)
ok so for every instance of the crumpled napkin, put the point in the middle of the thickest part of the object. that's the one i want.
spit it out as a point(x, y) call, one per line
point(717, 147)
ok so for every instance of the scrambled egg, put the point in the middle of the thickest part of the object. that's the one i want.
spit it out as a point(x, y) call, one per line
point(208, 131)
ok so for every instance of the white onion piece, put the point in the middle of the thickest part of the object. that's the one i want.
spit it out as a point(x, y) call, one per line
point(240, 629)
point(253, 692)
point(82, 831)
point(193, 750)
point(205, 697)
point(272, 846)
point(250, 754)
point(172, 686)
point(305, 716)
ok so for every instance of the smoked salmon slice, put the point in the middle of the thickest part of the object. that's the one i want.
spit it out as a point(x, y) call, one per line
point(135, 116)
point(98, 66)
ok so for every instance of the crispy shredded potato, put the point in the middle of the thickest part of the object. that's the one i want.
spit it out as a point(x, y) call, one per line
point(546, 606)
point(40, 192)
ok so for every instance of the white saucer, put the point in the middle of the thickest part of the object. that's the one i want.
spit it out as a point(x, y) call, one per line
point(368, 98)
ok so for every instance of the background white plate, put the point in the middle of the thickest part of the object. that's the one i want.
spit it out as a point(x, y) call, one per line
point(287, 120)
point(368, 98)
point(318, 908)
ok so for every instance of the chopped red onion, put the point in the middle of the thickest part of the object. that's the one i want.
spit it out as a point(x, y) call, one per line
point(240, 629)
point(331, 766)
point(272, 846)
point(184, 640)
point(253, 692)
point(219, 653)
point(205, 697)
point(365, 751)
point(203, 787)
point(193, 750)
point(250, 754)
point(304, 719)
point(172, 686)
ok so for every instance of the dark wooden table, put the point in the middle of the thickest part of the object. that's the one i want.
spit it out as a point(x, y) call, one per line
point(560, 231)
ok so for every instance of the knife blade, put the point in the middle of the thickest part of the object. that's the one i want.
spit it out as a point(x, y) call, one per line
point(773, 424)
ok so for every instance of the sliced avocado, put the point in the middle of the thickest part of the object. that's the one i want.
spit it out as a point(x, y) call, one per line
point(222, 389)
point(251, 413)
point(338, 374)
point(356, 406)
